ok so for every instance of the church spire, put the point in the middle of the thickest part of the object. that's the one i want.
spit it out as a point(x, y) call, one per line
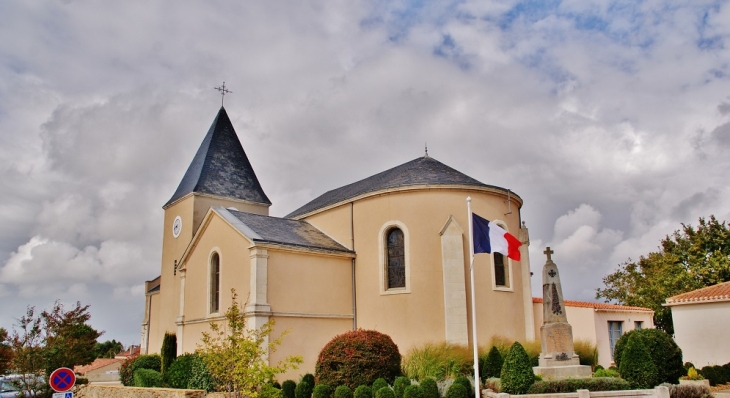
point(221, 167)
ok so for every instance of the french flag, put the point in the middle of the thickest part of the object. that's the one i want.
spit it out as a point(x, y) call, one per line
point(490, 237)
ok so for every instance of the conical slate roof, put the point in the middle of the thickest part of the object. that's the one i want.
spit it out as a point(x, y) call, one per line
point(221, 167)
point(421, 171)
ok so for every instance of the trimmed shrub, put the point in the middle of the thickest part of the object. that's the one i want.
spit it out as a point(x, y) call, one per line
point(664, 352)
point(636, 365)
point(131, 365)
point(147, 378)
point(379, 383)
point(440, 361)
point(399, 385)
point(343, 392)
point(587, 352)
point(429, 388)
point(720, 372)
point(309, 378)
point(605, 373)
point(82, 380)
point(180, 371)
point(687, 391)
point(321, 391)
point(358, 357)
point(363, 392)
point(709, 373)
point(168, 352)
point(287, 388)
point(276, 384)
point(303, 390)
point(457, 390)
point(412, 391)
point(492, 364)
point(270, 391)
point(517, 376)
point(200, 378)
point(466, 383)
point(573, 385)
point(385, 392)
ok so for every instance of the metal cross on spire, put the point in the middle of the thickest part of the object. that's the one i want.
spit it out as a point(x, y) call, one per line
point(223, 91)
point(548, 252)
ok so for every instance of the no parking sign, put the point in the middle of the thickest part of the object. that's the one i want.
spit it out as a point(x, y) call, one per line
point(62, 380)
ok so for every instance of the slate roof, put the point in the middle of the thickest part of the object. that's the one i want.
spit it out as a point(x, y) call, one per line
point(598, 306)
point(421, 171)
point(221, 167)
point(266, 229)
point(719, 292)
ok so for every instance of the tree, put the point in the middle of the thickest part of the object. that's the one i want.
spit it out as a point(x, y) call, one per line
point(107, 349)
point(688, 259)
point(168, 352)
point(236, 357)
point(6, 352)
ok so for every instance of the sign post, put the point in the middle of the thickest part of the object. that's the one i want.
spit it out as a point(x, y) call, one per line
point(62, 380)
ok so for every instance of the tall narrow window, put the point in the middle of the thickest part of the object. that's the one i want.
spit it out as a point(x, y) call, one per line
point(499, 273)
point(638, 325)
point(396, 259)
point(215, 283)
point(614, 333)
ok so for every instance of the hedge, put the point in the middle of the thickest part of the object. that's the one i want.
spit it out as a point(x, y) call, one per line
point(573, 385)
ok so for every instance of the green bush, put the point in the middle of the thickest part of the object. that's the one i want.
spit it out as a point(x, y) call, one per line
point(270, 391)
point(379, 383)
point(147, 378)
point(720, 372)
point(363, 392)
point(287, 388)
point(429, 388)
point(440, 361)
point(573, 385)
point(385, 392)
point(343, 392)
point(131, 365)
point(517, 375)
point(358, 357)
point(636, 365)
point(664, 352)
point(309, 378)
point(82, 380)
point(168, 352)
point(200, 378)
point(605, 373)
point(412, 391)
point(180, 371)
point(492, 364)
point(399, 385)
point(687, 391)
point(466, 383)
point(321, 391)
point(303, 390)
point(457, 390)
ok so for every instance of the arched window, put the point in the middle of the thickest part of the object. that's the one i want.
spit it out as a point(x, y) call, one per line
point(215, 282)
point(500, 278)
point(396, 259)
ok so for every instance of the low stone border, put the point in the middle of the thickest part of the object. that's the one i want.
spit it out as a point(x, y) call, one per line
point(658, 392)
point(96, 391)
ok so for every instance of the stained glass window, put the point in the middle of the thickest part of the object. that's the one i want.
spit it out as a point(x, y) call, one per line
point(499, 274)
point(215, 283)
point(396, 259)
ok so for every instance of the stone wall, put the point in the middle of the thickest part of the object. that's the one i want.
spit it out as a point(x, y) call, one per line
point(97, 391)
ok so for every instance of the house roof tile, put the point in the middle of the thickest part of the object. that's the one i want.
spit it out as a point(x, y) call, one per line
point(598, 306)
point(98, 363)
point(719, 292)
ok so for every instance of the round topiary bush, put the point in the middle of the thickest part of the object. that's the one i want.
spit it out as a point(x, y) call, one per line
point(399, 385)
point(492, 364)
point(358, 357)
point(664, 352)
point(287, 388)
point(379, 383)
point(309, 378)
point(303, 390)
point(517, 375)
point(147, 378)
point(131, 365)
point(363, 392)
point(385, 392)
point(636, 365)
point(466, 383)
point(412, 391)
point(321, 391)
point(343, 392)
point(429, 388)
point(179, 371)
point(457, 390)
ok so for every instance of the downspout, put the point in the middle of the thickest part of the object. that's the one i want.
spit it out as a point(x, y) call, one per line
point(354, 279)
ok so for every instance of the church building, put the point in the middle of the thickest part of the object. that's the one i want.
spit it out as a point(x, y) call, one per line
point(389, 252)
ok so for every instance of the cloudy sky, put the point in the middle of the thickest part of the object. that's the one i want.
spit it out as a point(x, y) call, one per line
point(611, 119)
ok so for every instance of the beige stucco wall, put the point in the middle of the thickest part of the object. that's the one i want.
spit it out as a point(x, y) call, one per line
point(416, 317)
point(701, 332)
point(591, 325)
point(105, 373)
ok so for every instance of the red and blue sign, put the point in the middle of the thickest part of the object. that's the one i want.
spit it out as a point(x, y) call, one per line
point(62, 380)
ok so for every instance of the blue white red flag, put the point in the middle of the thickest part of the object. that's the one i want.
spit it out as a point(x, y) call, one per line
point(491, 238)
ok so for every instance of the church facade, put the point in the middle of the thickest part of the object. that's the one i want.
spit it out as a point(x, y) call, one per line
point(389, 252)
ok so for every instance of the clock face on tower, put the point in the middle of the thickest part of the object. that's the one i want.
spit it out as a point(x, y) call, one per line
point(176, 226)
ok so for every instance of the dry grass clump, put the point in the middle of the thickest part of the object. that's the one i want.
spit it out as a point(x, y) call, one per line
point(438, 360)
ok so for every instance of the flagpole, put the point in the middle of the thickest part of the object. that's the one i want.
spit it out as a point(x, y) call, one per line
point(473, 301)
